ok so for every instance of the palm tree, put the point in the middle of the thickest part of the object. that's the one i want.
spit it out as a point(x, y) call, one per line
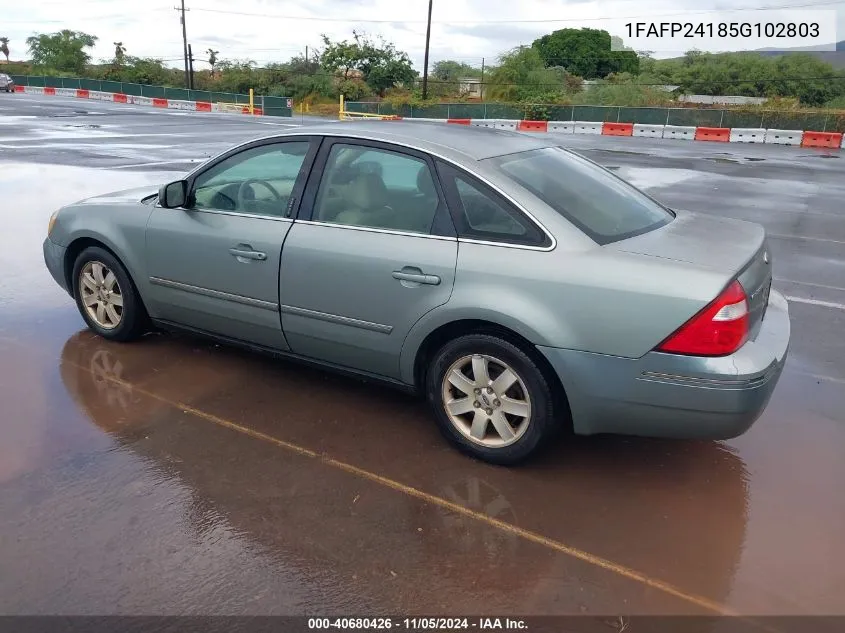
point(212, 59)
point(119, 53)
point(4, 47)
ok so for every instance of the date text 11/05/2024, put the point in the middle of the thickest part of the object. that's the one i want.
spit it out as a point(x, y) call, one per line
point(417, 624)
point(723, 29)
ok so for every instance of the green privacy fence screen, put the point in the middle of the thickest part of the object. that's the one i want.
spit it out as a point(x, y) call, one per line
point(271, 106)
point(707, 117)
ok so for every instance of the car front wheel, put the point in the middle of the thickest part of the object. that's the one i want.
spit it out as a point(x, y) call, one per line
point(106, 297)
point(490, 399)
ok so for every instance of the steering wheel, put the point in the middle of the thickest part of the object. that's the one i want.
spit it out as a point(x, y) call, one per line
point(246, 184)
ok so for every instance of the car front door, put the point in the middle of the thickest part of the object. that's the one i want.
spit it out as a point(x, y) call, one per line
point(214, 265)
point(371, 252)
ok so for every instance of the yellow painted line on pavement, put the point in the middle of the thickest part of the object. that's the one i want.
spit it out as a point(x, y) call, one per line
point(539, 539)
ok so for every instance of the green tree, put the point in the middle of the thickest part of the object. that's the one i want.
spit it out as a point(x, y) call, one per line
point(450, 70)
point(4, 47)
point(149, 71)
point(64, 51)
point(119, 53)
point(586, 53)
point(212, 59)
point(237, 76)
point(522, 76)
point(813, 81)
point(381, 65)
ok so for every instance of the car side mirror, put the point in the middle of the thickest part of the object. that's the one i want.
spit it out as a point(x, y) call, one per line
point(173, 195)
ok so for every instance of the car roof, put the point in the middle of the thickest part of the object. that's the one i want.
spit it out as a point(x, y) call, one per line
point(460, 142)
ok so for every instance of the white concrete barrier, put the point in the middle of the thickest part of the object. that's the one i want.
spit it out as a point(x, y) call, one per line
point(101, 96)
point(139, 100)
point(784, 137)
point(506, 124)
point(748, 135)
point(682, 132)
point(842, 144)
point(33, 90)
point(587, 127)
point(181, 105)
point(483, 122)
point(562, 127)
point(647, 130)
point(66, 92)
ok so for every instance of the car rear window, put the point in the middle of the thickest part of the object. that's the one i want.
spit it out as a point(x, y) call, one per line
point(594, 199)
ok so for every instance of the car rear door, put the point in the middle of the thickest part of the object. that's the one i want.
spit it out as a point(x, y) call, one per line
point(214, 265)
point(371, 252)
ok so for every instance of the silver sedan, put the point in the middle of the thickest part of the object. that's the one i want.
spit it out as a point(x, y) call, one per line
point(519, 287)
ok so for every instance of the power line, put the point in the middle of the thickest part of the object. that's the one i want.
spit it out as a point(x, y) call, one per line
point(347, 20)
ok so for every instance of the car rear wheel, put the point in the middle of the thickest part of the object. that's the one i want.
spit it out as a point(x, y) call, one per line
point(490, 399)
point(106, 297)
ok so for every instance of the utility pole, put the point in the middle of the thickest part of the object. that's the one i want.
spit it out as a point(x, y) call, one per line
point(425, 63)
point(482, 79)
point(306, 54)
point(184, 41)
point(191, 68)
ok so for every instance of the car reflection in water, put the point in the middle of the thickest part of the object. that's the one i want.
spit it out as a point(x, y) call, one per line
point(673, 510)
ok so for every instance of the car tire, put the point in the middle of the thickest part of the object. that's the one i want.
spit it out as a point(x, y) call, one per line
point(123, 316)
point(531, 392)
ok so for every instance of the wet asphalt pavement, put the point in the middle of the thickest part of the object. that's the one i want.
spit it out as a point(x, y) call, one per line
point(172, 476)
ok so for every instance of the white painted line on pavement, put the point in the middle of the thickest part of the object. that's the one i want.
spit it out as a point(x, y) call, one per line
point(804, 237)
point(808, 283)
point(162, 162)
point(279, 124)
point(817, 302)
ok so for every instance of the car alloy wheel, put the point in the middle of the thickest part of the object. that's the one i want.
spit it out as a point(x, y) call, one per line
point(101, 294)
point(486, 400)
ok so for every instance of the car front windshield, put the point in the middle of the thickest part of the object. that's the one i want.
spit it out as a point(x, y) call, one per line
point(602, 205)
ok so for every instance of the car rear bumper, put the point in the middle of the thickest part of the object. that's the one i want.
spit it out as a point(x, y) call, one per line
point(54, 258)
point(667, 395)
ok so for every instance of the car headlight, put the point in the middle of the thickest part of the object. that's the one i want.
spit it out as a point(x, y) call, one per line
point(52, 222)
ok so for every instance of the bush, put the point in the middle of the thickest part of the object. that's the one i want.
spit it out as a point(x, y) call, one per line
point(836, 104)
point(354, 89)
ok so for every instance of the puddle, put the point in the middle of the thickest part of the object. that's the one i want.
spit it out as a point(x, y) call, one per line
point(726, 158)
point(71, 113)
point(620, 151)
point(651, 178)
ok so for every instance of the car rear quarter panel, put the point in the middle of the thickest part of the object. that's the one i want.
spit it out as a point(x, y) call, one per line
point(599, 301)
point(120, 227)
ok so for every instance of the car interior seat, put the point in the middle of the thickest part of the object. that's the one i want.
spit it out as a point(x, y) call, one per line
point(366, 200)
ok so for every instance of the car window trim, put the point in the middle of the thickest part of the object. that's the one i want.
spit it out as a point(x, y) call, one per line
point(325, 136)
point(456, 205)
point(296, 191)
point(441, 225)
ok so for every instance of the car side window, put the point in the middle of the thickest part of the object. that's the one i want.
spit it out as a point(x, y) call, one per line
point(375, 188)
point(258, 180)
point(482, 214)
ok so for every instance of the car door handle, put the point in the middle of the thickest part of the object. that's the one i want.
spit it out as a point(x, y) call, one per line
point(420, 278)
point(247, 254)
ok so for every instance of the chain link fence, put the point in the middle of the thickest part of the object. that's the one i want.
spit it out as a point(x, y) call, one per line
point(271, 106)
point(706, 117)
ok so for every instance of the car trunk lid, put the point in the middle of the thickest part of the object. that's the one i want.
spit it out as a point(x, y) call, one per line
point(735, 248)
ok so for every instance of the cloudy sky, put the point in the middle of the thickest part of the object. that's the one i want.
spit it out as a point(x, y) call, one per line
point(275, 30)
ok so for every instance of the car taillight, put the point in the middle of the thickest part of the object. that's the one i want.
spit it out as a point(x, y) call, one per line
point(718, 330)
